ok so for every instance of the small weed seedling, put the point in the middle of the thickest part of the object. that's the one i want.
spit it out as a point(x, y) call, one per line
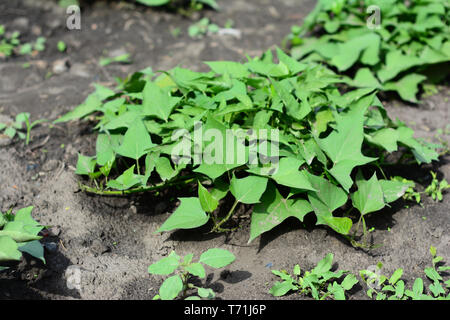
point(202, 27)
point(185, 269)
point(124, 58)
point(435, 189)
point(11, 129)
point(317, 282)
point(61, 46)
point(393, 288)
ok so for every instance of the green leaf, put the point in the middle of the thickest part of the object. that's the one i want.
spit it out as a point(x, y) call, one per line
point(217, 258)
point(422, 152)
point(369, 197)
point(293, 65)
point(343, 145)
point(188, 215)
point(349, 281)
point(126, 180)
point(396, 276)
point(397, 62)
point(364, 78)
point(350, 51)
point(281, 288)
point(325, 217)
point(433, 251)
point(153, 2)
point(85, 165)
point(93, 103)
point(165, 266)
point(19, 231)
point(400, 289)
point(234, 69)
point(432, 274)
point(157, 102)
point(24, 215)
point(407, 87)
point(436, 288)
point(165, 169)
point(288, 174)
point(33, 248)
point(208, 202)
point(196, 269)
point(329, 194)
point(294, 108)
point(248, 190)
point(104, 149)
point(418, 286)
point(297, 270)
point(386, 138)
point(206, 293)
point(171, 288)
point(393, 190)
point(136, 141)
point(323, 265)
point(273, 210)
point(9, 249)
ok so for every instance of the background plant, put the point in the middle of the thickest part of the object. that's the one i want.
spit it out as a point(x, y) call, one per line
point(10, 44)
point(324, 136)
point(185, 269)
point(19, 233)
point(17, 127)
point(409, 47)
point(393, 288)
point(321, 283)
point(194, 4)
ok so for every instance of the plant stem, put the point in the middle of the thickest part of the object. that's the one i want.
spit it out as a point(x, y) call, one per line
point(184, 180)
point(217, 227)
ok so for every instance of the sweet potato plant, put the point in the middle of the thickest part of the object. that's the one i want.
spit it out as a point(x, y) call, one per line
point(391, 45)
point(324, 138)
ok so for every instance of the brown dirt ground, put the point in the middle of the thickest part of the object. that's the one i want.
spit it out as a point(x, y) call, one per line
point(111, 240)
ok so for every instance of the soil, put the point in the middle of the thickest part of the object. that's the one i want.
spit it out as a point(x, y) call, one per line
point(110, 241)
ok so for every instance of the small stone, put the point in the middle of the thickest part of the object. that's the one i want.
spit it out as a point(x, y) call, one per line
point(60, 66)
point(55, 231)
point(50, 165)
point(80, 70)
point(36, 30)
point(21, 23)
point(133, 209)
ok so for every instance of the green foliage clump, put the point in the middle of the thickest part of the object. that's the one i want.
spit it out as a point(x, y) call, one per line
point(393, 288)
point(408, 46)
point(321, 283)
point(323, 137)
point(185, 269)
point(19, 233)
point(10, 45)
